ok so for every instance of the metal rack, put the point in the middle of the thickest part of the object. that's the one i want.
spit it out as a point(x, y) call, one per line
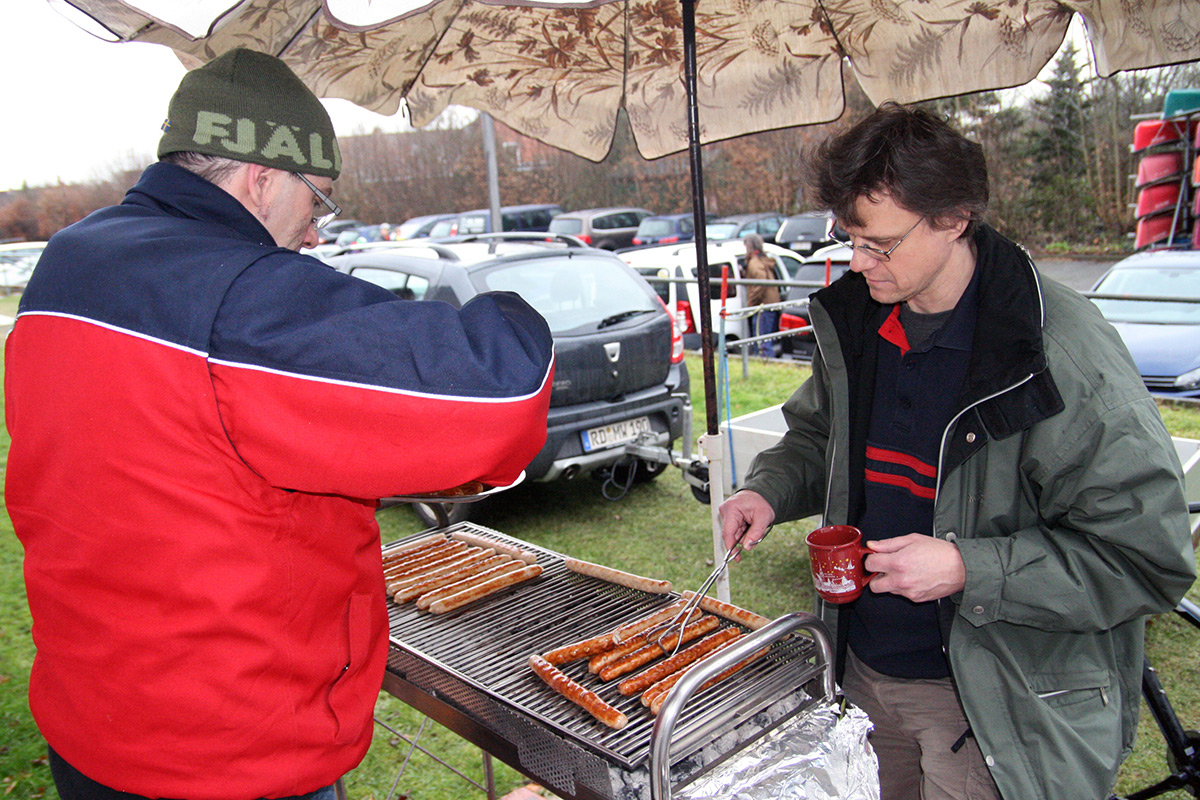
point(1168, 176)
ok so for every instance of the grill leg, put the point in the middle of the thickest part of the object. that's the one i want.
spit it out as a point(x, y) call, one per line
point(489, 779)
point(414, 743)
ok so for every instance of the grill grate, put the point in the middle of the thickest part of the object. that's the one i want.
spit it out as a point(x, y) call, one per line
point(477, 657)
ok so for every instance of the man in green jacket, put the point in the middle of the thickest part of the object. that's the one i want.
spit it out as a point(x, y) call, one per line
point(988, 432)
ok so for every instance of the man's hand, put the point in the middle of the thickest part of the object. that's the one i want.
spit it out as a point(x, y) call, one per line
point(915, 566)
point(747, 517)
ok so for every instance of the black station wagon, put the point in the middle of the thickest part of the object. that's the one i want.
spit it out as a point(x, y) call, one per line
point(619, 374)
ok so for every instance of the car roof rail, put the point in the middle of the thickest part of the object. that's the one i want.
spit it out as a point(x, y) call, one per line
point(524, 236)
point(437, 247)
point(360, 247)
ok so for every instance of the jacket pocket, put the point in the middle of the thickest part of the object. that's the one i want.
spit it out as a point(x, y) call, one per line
point(1088, 703)
point(345, 698)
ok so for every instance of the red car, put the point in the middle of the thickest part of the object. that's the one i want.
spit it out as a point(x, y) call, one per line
point(820, 269)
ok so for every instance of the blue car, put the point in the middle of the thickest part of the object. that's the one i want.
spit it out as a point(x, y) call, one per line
point(419, 227)
point(665, 229)
point(1162, 336)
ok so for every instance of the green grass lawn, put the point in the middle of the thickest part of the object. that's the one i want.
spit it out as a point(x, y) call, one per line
point(657, 530)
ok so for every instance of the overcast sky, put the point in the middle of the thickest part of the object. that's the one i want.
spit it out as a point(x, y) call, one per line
point(76, 106)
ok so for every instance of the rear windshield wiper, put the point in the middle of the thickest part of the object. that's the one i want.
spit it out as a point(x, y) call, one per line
point(624, 315)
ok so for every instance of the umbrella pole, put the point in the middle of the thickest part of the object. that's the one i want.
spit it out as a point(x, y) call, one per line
point(493, 171)
point(711, 442)
point(698, 213)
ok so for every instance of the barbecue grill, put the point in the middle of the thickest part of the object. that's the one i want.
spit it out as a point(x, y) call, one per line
point(468, 670)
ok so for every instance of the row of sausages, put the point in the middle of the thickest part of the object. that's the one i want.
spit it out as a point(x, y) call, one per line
point(643, 642)
point(441, 573)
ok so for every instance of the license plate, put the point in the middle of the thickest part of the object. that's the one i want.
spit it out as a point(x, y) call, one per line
point(614, 434)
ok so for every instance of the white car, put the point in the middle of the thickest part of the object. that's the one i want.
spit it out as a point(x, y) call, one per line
point(17, 260)
point(683, 298)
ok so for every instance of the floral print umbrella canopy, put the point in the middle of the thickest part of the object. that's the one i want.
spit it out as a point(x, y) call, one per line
point(559, 71)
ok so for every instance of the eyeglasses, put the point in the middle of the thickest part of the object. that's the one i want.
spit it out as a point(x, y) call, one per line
point(334, 209)
point(882, 255)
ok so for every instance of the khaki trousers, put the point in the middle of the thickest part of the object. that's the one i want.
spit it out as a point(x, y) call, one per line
point(917, 723)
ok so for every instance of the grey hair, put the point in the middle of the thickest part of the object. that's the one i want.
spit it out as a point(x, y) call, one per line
point(754, 242)
point(214, 169)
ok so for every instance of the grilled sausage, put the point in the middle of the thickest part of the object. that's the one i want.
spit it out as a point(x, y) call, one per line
point(588, 700)
point(438, 568)
point(577, 650)
point(603, 659)
point(429, 598)
point(729, 611)
point(657, 702)
point(646, 679)
point(654, 649)
point(631, 629)
point(462, 490)
point(405, 550)
point(491, 586)
point(499, 547)
point(423, 559)
point(664, 685)
point(617, 576)
point(462, 572)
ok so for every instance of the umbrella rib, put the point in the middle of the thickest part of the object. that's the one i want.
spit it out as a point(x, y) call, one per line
point(832, 30)
point(299, 30)
point(432, 50)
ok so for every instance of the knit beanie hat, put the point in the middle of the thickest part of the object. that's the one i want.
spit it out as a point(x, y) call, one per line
point(249, 106)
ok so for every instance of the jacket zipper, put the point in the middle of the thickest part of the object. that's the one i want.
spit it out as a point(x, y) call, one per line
point(832, 444)
point(937, 490)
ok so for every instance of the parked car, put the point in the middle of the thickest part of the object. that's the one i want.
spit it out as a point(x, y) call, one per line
point(1162, 336)
point(330, 233)
point(739, 226)
point(807, 232)
point(606, 228)
point(419, 227)
point(823, 267)
point(532, 217)
point(17, 260)
point(619, 368)
point(348, 236)
point(375, 233)
point(665, 229)
point(679, 262)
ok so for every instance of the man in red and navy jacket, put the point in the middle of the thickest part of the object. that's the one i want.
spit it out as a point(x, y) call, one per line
point(202, 420)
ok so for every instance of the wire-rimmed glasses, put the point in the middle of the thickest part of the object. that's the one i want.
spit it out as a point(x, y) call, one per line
point(874, 252)
point(334, 209)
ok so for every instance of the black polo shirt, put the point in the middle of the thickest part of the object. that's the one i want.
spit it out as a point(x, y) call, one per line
point(916, 396)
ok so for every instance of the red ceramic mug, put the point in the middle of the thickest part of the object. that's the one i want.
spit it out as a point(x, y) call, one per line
point(836, 554)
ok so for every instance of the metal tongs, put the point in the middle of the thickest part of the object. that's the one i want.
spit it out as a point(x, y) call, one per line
point(681, 619)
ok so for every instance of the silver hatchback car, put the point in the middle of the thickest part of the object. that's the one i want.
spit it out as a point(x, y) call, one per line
point(605, 228)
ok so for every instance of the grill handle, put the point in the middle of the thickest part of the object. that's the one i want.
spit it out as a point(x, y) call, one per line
point(672, 708)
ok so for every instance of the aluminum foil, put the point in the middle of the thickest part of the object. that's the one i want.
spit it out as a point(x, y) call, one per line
point(816, 755)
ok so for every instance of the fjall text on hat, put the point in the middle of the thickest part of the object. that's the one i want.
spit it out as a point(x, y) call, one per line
point(250, 106)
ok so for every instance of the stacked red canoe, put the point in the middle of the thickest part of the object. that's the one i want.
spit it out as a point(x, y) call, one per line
point(1168, 176)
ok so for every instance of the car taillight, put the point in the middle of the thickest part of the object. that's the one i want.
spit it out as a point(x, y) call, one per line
point(676, 335)
point(788, 321)
point(585, 238)
point(669, 240)
point(683, 316)
point(636, 240)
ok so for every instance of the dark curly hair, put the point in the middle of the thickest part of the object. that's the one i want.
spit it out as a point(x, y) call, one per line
point(914, 156)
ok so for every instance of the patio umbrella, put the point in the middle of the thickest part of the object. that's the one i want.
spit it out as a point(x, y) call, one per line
point(559, 71)
point(685, 72)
